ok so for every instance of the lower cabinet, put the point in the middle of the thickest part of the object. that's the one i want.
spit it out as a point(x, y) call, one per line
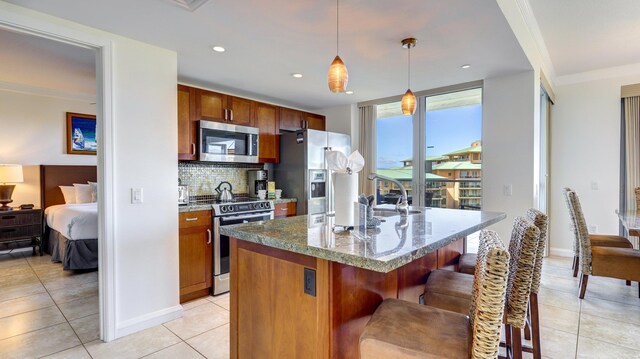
point(285, 210)
point(195, 255)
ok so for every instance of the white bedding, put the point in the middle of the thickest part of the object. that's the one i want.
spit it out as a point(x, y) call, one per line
point(74, 221)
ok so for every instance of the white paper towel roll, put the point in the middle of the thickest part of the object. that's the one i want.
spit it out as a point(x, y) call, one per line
point(345, 192)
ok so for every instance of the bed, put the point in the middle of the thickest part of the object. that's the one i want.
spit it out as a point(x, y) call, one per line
point(71, 230)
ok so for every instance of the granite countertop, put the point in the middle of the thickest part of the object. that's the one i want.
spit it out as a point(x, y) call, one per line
point(204, 207)
point(395, 243)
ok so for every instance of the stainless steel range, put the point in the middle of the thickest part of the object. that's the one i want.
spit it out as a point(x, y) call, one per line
point(241, 210)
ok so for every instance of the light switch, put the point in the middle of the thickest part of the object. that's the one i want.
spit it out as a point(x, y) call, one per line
point(136, 195)
point(594, 185)
point(508, 190)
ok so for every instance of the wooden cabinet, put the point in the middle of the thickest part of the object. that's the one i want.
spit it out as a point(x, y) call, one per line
point(195, 254)
point(21, 225)
point(285, 210)
point(291, 120)
point(196, 104)
point(187, 126)
point(315, 122)
point(211, 106)
point(267, 122)
point(240, 111)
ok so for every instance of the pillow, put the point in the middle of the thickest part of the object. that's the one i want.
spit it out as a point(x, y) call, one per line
point(94, 191)
point(83, 193)
point(69, 194)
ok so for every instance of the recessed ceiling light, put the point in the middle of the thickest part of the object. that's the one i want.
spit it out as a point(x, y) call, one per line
point(218, 49)
point(297, 75)
point(465, 66)
point(349, 92)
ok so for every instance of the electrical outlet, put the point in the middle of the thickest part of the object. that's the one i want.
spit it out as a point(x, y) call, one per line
point(310, 282)
point(593, 228)
point(508, 190)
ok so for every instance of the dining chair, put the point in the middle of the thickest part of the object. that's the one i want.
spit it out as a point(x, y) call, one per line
point(612, 262)
point(451, 290)
point(596, 240)
point(401, 329)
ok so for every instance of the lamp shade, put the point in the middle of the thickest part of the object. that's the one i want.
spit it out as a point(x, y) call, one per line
point(11, 174)
point(408, 103)
point(338, 76)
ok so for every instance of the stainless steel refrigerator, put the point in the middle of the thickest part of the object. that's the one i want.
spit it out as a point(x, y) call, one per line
point(302, 171)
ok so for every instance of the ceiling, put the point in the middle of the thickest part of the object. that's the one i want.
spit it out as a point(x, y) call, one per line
point(584, 35)
point(38, 64)
point(267, 41)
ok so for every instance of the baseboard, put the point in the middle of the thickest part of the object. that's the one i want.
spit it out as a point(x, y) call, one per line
point(561, 252)
point(148, 320)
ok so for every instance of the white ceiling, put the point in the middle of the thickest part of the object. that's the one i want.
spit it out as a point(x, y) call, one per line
point(584, 35)
point(41, 64)
point(266, 41)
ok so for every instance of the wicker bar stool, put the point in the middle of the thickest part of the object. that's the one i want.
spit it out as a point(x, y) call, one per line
point(450, 290)
point(597, 240)
point(621, 263)
point(400, 329)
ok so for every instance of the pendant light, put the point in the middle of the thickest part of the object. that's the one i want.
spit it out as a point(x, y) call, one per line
point(338, 76)
point(409, 99)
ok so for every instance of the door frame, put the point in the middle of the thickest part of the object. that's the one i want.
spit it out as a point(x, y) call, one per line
point(25, 21)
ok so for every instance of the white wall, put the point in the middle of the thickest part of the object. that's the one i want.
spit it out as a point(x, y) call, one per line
point(343, 119)
point(144, 112)
point(585, 149)
point(508, 113)
point(33, 133)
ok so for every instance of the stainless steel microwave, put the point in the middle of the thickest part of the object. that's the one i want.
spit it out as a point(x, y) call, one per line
point(221, 142)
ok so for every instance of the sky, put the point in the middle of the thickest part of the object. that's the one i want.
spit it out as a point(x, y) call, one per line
point(447, 130)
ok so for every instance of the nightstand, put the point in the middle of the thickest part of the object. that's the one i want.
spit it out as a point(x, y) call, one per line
point(21, 225)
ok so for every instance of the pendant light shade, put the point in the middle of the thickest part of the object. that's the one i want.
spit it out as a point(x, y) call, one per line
point(337, 77)
point(408, 103)
point(409, 99)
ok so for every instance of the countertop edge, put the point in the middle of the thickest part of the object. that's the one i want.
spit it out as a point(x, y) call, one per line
point(365, 263)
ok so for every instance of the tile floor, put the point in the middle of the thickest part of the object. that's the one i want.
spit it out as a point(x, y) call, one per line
point(45, 312)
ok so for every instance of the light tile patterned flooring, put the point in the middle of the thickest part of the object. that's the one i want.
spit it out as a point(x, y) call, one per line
point(45, 312)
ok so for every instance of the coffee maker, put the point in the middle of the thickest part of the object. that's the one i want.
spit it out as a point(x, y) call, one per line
point(256, 180)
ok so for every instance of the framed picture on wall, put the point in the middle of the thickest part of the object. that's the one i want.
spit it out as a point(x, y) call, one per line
point(81, 134)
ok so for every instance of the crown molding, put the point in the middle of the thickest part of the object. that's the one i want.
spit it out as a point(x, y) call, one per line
point(538, 39)
point(46, 92)
point(600, 74)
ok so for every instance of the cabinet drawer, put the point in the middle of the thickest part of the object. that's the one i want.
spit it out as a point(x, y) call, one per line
point(285, 209)
point(195, 219)
point(20, 232)
point(17, 219)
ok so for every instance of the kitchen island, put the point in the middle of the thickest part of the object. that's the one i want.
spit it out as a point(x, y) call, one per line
point(299, 290)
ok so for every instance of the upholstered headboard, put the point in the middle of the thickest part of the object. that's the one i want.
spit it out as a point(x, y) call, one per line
point(53, 176)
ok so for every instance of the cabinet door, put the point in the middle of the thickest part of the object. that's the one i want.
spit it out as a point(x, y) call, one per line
point(291, 120)
point(285, 210)
point(241, 111)
point(210, 105)
point(267, 123)
point(315, 122)
point(186, 124)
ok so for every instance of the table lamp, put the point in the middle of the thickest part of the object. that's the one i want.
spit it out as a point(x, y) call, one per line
point(9, 174)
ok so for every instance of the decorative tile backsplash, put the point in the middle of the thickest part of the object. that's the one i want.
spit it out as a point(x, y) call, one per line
point(203, 177)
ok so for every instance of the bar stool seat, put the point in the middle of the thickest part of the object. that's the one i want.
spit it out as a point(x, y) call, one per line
point(467, 263)
point(449, 290)
point(394, 327)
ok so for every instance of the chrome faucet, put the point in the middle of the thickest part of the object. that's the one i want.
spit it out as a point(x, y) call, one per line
point(402, 206)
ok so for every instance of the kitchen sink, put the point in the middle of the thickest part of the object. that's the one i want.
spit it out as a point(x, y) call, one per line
point(390, 212)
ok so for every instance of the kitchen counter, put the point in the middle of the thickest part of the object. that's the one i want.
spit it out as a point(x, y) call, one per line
point(395, 243)
point(300, 290)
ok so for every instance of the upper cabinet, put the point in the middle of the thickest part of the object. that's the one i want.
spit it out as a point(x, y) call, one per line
point(196, 104)
point(187, 127)
point(210, 106)
point(240, 111)
point(267, 121)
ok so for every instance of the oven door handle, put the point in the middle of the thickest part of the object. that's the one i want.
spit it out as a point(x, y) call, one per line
point(216, 246)
point(264, 214)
